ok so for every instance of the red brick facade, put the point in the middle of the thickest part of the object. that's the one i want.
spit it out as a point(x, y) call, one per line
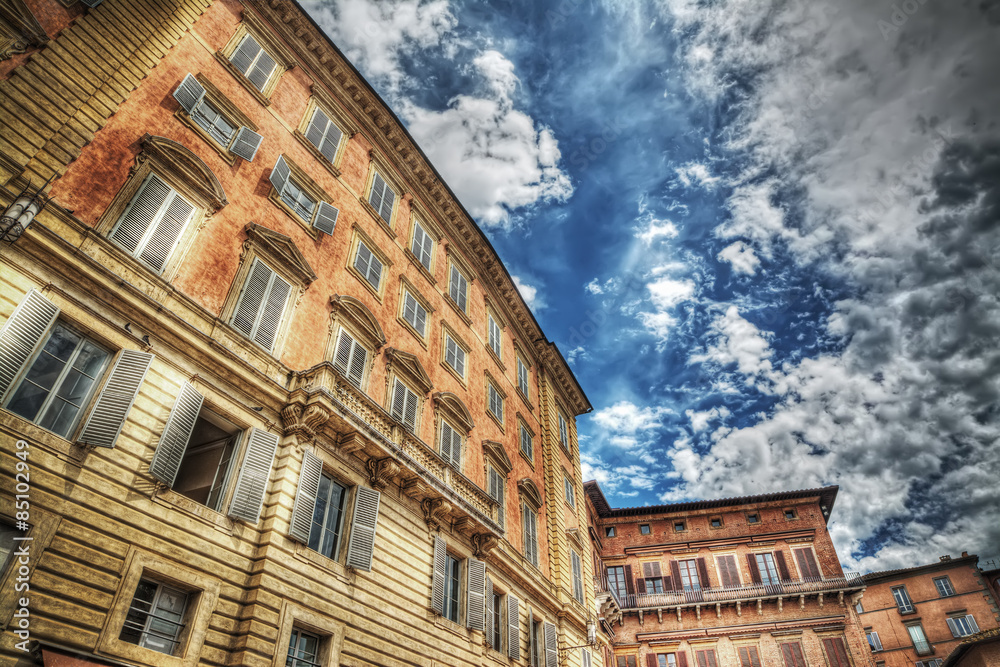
point(941, 602)
point(745, 581)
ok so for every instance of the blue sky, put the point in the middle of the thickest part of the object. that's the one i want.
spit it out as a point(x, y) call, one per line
point(765, 234)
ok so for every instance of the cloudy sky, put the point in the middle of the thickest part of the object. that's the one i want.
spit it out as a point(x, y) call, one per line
point(764, 233)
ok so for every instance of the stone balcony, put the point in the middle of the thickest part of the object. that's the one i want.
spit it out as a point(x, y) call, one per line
point(323, 401)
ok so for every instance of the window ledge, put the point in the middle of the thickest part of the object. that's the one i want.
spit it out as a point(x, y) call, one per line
point(461, 313)
point(378, 218)
point(524, 456)
point(184, 119)
point(364, 281)
point(329, 166)
point(455, 373)
point(497, 657)
point(202, 513)
point(496, 420)
point(409, 327)
point(526, 400)
point(244, 81)
point(307, 555)
point(450, 626)
point(496, 357)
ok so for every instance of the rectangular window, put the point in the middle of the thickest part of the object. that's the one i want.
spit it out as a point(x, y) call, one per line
point(577, 576)
point(207, 462)
point(451, 445)
point(303, 650)
point(221, 129)
point(715, 522)
point(766, 568)
point(495, 402)
point(324, 134)
point(680, 526)
point(522, 377)
point(944, 587)
point(494, 336)
point(494, 630)
point(404, 406)
point(218, 127)
point(666, 660)
point(689, 575)
point(414, 313)
point(60, 382)
point(152, 222)
point(351, 358)
point(287, 181)
point(454, 355)
point(422, 246)
point(902, 599)
point(382, 197)
point(609, 531)
point(527, 444)
point(563, 432)
point(458, 289)
point(791, 514)
point(962, 626)
point(297, 200)
point(729, 574)
point(860, 608)
point(919, 639)
point(753, 518)
point(836, 652)
point(749, 656)
point(253, 62)
point(261, 307)
point(529, 519)
point(452, 588)
point(616, 581)
point(328, 518)
point(705, 658)
point(808, 567)
point(626, 660)
point(497, 493)
point(873, 641)
point(568, 490)
point(791, 653)
point(368, 265)
point(155, 617)
point(652, 578)
point(644, 529)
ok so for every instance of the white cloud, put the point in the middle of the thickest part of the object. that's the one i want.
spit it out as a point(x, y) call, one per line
point(627, 417)
point(741, 257)
point(529, 293)
point(696, 173)
point(701, 420)
point(493, 156)
point(737, 341)
point(656, 230)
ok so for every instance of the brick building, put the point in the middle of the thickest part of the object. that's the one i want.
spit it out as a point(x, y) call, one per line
point(278, 397)
point(918, 615)
point(734, 582)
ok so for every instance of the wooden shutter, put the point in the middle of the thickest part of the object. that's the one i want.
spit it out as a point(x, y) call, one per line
point(836, 652)
point(248, 498)
point(953, 626)
point(754, 571)
point(244, 54)
point(189, 93)
point(808, 567)
point(385, 211)
point(176, 434)
point(24, 330)
point(779, 558)
point(629, 585)
point(682, 659)
point(280, 174)
point(115, 401)
point(342, 358)
point(245, 315)
point(141, 213)
point(456, 448)
point(651, 660)
point(410, 410)
point(792, 655)
point(577, 576)
point(261, 71)
point(675, 574)
point(727, 571)
point(705, 658)
point(317, 127)
point(361, 545)
point(488, 620)
point(437, 584)
point(163, 237)
point(651, 570)
point(326, 218)
point(377, 191)
point(585, 658)
point(274, 308)
point(551, 645)
point(973, 626)
point(513, 628)
point(359, 358)
point(476, 598)
point(703, 573)
point(668, 584)
point(246, 144)
point(305, 497)
point(398, 400)
point(331, 141)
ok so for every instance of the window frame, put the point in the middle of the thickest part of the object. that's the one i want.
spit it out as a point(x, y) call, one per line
point(501, 398)
point(283, 57)
point(458, 265)
point(914, 643)
point(357, 240)
point(431, 234)
point(406, 288)
point(313, 191)
point(522, 430)
point(286, 309)
point(565, 437)
point(645, 529)
point(344, 329)
point(523, 373)
point(225, 108)
point(377, 169)
point(494, 336)
point(302, 134)
point(609, 531)
point(950, 590)
point(447, 332)
point(753, 518)
point(904, 603)
point(569, 492)
point(329, 631)
point(876, 645)
point(529, 533)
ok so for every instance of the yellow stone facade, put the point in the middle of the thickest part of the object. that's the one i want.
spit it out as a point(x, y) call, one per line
point(188, 466)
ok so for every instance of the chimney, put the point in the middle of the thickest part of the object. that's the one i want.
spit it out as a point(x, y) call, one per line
point(945, 559)
point(965, 554)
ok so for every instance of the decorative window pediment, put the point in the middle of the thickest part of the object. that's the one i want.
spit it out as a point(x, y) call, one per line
point(363, 321)
point(19, 29)
point(494, 451)
point(529, 491)
point(282, 251)
point(186, 167)
point(454, 410)
point(408, 366)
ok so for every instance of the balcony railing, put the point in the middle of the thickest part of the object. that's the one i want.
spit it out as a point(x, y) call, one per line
point(748, 592)
point(601, 588)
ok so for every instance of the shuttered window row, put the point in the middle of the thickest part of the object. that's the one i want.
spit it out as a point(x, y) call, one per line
point(320, 214)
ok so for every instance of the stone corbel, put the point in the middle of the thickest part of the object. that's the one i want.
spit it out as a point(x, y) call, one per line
point(381, 472)
point(482, 544)
point(304, 422)
point(350, 443)
point(659, 615)
point(461, 524)
point(415, 487)
point(435, 511)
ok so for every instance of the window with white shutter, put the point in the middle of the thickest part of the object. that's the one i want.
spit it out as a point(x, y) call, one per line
point(494, 401)
point(495, 336)
point(304, 201)
point(496, 484)
point(217, 118)
point(568, 491)
point(458, 288)
point(256, 64)
point(382, 197)
point(962, 626)
point(529, 522)
point(451, 445)
point(513, 627)
point(351, 358)
point(364, 523)
point(522, 377)
point(324, 134)
point(152, 222)
point(422, 245)
point(552, 645)
point(577, 576)
point(255, 471)
point(368, 265)
point(454, 355)
point(527, 443)
point(404, 405)
point(414, 313)
point(261, 306)
point(475, 615)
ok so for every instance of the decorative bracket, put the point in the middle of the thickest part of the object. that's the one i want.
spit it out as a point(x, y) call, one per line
point(415, 487)
point(381, 472)
point(351, 442)
point(482, 544)
point(435, 511)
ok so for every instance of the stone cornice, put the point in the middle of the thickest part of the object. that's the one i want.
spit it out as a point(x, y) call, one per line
point(324, 61)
